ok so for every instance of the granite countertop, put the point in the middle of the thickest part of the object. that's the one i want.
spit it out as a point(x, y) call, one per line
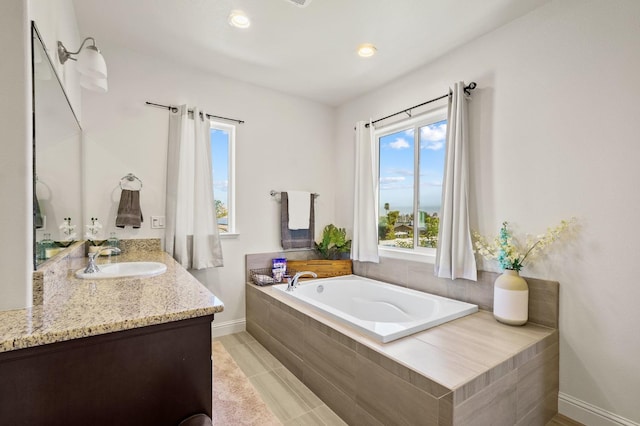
point(72, 308)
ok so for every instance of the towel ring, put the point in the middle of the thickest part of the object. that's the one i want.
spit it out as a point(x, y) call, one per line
point(130, 177)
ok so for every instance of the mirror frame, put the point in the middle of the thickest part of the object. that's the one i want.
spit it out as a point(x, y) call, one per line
point(36, 34)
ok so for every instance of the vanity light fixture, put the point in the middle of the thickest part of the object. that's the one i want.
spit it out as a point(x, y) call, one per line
point(239, 19)
point(91, 64)
point(366, 50)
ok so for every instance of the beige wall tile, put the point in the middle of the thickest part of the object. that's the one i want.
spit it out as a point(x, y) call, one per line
point(343, 405)
point(257, 306)
point(481, 382)
point(259, 333)
point(536, 349)
point(481, 292)
point(330, 332)
point(445, 368)
point(286, 328)
point(406, 374)
point(362, 418)
point(510, 339)
point(389, 270)
point(420, 277)
point(334, 361)
point(360, 268)
point(542, 413)
point(289, 359)
point(457, 289)
point(445, 410)
point(458, 340)
point(536, 379)
point(495, 405)
point(544, 302)
point(392, 400)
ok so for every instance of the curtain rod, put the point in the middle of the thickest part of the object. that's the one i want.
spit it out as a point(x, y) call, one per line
point(467, 90)
point(175, 109)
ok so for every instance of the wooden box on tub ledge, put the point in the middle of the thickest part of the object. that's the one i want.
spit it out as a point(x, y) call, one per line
point(323, 267)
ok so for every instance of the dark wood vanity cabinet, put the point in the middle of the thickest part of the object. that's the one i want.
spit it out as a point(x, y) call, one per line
point(153, 375)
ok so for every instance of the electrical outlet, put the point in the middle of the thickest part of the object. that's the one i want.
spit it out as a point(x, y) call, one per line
point(157, 222)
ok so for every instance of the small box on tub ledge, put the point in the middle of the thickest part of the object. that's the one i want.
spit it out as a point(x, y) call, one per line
point(324, 268)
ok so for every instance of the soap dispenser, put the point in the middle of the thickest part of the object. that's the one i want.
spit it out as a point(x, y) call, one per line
point(47, 246)
point(114, 243)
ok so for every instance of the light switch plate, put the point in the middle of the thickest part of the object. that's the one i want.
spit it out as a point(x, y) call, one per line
point(157, 222)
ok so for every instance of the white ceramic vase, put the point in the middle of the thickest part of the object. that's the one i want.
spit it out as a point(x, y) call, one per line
point(511, 298)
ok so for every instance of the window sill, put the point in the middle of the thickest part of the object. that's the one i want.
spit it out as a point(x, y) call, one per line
point(415, 256)
point(229, 236)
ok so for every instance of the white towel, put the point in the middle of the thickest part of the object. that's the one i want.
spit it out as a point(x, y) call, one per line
point(299, 209)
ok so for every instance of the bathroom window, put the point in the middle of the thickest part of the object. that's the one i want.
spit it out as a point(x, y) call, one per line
point(411, 169)
point(222, 156)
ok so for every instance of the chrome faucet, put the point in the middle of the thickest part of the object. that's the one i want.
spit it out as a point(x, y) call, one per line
point(91, 266)
point(293, 282)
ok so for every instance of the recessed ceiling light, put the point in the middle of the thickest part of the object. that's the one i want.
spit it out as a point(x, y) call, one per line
point(366, 50)
point(239, 19)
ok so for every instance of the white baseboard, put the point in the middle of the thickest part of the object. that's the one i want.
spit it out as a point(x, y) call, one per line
point(228, 327)
point(589, 414)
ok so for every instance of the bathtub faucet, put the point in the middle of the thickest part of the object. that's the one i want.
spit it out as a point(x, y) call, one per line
point(293, 282)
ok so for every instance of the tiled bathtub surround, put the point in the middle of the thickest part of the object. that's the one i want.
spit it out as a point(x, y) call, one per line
point(473, 370)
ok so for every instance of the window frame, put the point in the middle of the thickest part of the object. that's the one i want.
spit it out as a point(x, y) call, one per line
point(417, 253)
point(232, 230)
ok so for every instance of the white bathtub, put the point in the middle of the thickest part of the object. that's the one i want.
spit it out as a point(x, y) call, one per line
point(383, 311)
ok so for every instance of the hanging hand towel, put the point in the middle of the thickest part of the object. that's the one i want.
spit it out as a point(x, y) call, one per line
point(129, 213)
point(299, 209)
point(296, 238)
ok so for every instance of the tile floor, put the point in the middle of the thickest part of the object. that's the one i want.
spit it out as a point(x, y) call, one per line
point(287, 397)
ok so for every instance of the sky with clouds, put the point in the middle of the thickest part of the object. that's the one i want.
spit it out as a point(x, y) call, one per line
point(220, 155)
point(397, 168)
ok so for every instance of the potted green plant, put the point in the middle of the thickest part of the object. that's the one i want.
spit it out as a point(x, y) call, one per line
point(333, 250)
point(334, 244)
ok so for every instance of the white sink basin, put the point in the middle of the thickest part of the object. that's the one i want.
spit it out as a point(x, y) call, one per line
point(125, 269)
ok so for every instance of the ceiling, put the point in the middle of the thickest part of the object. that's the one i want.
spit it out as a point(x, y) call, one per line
point(305, 51)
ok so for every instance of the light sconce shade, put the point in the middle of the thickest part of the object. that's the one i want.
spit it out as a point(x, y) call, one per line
point(366, 50)
point(91, 64)
point(95, 84)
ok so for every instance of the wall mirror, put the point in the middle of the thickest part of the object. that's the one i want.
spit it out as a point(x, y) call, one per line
point(57, 157)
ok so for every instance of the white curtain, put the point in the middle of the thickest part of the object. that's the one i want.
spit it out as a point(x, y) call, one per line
point(192, 236)
point(364, 246)
point(454, 257)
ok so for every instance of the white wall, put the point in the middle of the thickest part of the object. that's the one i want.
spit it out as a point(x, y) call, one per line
point(286, 143)
point(16, 204)
point(56, 20)
point(555, 133)
point(16, 164)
